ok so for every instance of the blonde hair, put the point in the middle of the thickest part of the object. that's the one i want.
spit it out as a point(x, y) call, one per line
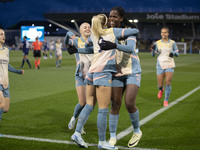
point(98, 23)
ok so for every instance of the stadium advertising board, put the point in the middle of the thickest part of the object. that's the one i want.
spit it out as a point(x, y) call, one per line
point(31, 32)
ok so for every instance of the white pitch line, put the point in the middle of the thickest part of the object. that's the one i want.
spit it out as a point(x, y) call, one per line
point(119, 136)
point(62, 142)
point(158, 112)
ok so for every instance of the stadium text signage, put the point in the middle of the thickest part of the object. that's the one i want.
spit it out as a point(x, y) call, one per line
point(170, 16)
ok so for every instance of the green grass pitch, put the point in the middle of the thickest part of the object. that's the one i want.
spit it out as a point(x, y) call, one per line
point(42, 103)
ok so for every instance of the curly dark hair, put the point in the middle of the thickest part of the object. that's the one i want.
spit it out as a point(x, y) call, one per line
point(125, 22)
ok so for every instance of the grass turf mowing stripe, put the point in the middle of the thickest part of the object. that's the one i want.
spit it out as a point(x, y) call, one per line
point(61, 141)
point(158, 112)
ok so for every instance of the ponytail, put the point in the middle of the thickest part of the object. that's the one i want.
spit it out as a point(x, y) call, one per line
point(98, 23)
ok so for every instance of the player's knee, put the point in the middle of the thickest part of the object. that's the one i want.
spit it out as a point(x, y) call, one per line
point(6, 110)
point(116, 106)
point(82, 101)
point(131, 107)
point(2, 105)
point(168, 82)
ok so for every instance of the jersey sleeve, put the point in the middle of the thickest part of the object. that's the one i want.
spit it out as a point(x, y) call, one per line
point(66, 40)
point(11, 69)
point(121, 33)
point(86, 50)
point(70, 34)
point(175, 50)
point(69, 41)
point(130, 47)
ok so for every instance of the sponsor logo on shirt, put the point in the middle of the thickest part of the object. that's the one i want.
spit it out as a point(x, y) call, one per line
point(3, 61)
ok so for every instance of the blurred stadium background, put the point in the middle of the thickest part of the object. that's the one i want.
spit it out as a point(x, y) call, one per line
point(182, 17)
point(42, 101)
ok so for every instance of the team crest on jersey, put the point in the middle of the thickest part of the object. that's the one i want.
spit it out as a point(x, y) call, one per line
point(110, 81)
point(82, 44)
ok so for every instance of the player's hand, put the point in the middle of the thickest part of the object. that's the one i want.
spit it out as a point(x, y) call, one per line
point(171, 55)
point(71, 50)
point(73, 37)
point(107, 45)
point(22, 72)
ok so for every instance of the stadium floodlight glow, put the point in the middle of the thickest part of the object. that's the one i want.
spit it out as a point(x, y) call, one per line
point(130, 20)
point(33, 25)
point(50, 25)
point(75, 23)
point(135, 20)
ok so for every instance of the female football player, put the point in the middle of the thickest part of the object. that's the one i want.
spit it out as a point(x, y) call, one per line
point(4, 68)
point(126, 79)
point(166, 49)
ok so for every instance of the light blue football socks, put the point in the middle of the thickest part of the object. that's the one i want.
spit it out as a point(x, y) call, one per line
point(59, 62)
point(102, 123)
point(77, 110)
point(135, 121)
point(83, 117)
point(113, 122)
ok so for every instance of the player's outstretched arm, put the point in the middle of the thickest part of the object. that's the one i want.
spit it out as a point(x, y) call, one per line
point(129, 48)
point(86, 50)
point(121, 33)
point(12, 69)
point(175, 50)
point(71, 39)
